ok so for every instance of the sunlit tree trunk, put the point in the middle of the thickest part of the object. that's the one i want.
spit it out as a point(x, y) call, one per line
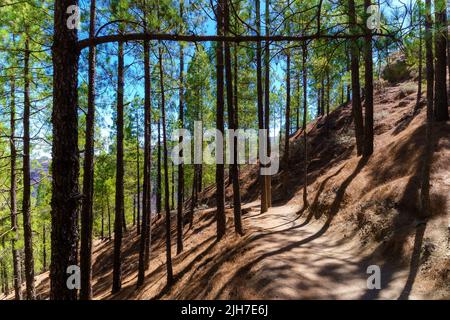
point(88, 174)
point(288, 111)
point(305, 117)
point(356, 97)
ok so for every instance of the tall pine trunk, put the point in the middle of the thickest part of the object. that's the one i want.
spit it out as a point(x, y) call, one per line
point(119, 197)
point(448, 60)
point(44, 247)
point(368, 80)
point(145, 240)
point(259, 93)
point(13, 197)
point(268, 178)
point(4, 274)
point(172, 187)
point(322, 96)
point(65, 157)
point(26, 200)
point(288, 111)
point(328, 93)
point(180, 188)
point(138, 178)
point(234, 170)
point(102, 231)
point(419, 78)
point(297, 123)
point(220, 188)
point(109, 216)
point(425, 178)
point(158, 169)
point(166, 173)
point(356, 95)
point(440, 47)
point(305, 117)
point(88, 174)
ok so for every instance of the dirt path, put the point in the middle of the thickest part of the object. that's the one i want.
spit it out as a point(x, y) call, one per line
point(294, 257)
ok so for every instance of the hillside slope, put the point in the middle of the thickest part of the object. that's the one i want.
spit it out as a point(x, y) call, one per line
point(361, 213)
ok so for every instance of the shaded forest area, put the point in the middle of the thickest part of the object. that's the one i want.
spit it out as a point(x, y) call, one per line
point(355, 93)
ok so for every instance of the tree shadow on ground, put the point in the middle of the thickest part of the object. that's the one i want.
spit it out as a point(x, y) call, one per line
point(405, 223)
point(246, 268)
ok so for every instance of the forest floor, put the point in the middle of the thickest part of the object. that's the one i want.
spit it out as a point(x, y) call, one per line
point(361, 213)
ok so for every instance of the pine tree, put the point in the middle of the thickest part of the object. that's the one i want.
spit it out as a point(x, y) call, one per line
point(88, 171)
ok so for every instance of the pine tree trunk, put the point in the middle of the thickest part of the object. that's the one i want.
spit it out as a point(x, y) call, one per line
point(124, 222)
point(236, 189)
point(305, 117)
point(268, 178)
point(297, 124)
point(88, 175)
point(220, 189)
point(145, 240)
point(102, 232)
point(158, 174)
point(166, 174)
point(234, 169)
point(26, 200)
point(13, 197)
point(172, 187)
point(356, 95)
point(134, 211)
point(425, 179)
point(328, 93)
point(44, 248)
point(440, 45)
point(368, 89)
point(318, 102)
point(4, 276)
point(138, 184)
point(448, 60)
point(288, 111)
point(419, 78)
point(322, 97)
point(180, 188)
point(259, 92)
point(193, 195)
point(119, 197)
point(109, 216)
point(65, 158)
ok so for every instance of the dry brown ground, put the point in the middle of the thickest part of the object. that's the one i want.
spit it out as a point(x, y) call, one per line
point(361, 213)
